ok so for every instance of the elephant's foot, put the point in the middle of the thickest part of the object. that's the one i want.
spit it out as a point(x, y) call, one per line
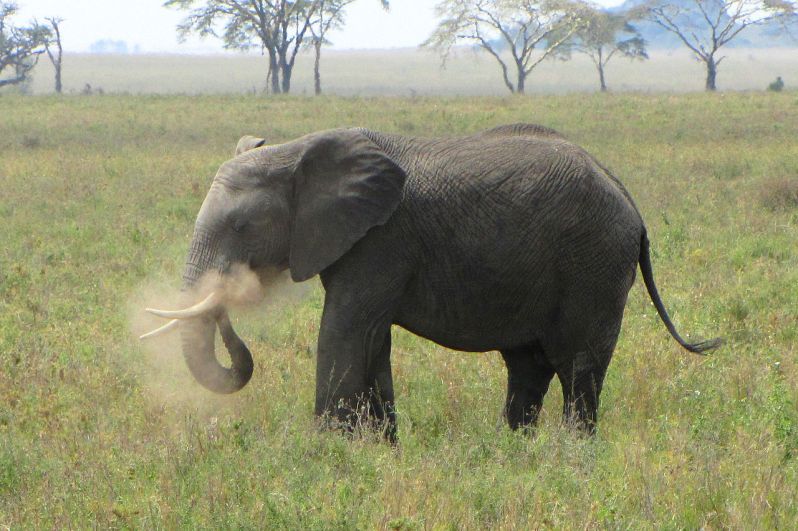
point(580, 417)
point(580, 403)
point(364, 416)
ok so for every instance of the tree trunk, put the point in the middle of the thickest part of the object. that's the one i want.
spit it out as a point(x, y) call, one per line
point(285, 70)
point(601, 78)
point(274, 72)
point(600, 66)
point(521, 85)
point(712, 72)
point(287, 78)
point(58, 58)
point(58, 77)
point(316, 71)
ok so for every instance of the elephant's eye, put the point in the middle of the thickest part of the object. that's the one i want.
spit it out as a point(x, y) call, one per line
point(240, 225)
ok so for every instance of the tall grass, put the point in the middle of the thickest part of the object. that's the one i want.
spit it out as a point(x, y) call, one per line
point(97, 205)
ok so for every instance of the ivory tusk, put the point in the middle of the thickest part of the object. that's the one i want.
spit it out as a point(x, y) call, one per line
point(158, 331)
point(210, 302)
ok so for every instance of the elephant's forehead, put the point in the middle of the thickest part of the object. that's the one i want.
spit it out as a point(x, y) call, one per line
point(250, 173)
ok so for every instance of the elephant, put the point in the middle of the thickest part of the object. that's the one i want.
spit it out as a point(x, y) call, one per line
point(512, 239)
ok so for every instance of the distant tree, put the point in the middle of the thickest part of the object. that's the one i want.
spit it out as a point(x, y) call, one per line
point(279, 27)
point(20, 46)
point(519, 26)
point(706, 26)
point(329, 16)
point(54, 49)
point(606, 35)
point(111, 46)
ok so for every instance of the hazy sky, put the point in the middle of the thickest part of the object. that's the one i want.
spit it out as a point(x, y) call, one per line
point(151, 27)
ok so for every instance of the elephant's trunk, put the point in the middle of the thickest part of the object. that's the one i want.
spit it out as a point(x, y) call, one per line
point(198, 333)
point(198, 337)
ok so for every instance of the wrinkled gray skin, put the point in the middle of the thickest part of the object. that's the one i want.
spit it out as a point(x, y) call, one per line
point(513, 239)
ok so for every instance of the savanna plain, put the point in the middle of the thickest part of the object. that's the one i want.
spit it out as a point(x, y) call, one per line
point(98, 197)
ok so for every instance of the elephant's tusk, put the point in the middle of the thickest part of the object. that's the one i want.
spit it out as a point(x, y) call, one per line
point(210, 302)
point(162, 330)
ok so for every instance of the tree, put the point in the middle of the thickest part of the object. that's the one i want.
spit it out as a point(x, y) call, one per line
point(598, 39)
point(329, 16)
point(520, 26)
point(279, 27)
point(706, 26)
point(20, 46)
point(57, 56)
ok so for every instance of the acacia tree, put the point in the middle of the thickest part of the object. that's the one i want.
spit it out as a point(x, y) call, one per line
point(706, 26)
point(329, 16)
point(20, 46)
point(56, 55)
point(520, 26)
point(279, 27)
point(599, 39)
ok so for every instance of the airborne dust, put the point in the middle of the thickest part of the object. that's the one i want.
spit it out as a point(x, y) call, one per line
point(252, 300)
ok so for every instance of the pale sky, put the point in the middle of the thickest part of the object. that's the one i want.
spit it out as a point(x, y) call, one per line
point(151, 27)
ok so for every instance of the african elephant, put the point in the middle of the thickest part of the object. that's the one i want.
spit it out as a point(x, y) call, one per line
point(513, 239)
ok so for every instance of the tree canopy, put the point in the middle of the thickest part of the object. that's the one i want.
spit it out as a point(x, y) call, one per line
point(279, 27)
point(521, 27)
point(330, 16)
point(606, 35)
point(20, 46)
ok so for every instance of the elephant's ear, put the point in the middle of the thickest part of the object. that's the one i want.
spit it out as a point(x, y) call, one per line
point(345, 185)
point(248, 142)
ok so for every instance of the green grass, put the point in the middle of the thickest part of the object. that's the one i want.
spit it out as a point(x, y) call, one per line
point(97, 204)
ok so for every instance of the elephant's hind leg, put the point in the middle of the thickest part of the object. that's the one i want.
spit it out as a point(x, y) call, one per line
point(581, 364)
point(581, 386)
point(528, 378)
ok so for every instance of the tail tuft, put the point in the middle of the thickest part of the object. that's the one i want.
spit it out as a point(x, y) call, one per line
point(702, 346)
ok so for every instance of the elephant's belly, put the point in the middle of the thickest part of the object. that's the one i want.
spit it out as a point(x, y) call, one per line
point(468, 334)
point(477, 318)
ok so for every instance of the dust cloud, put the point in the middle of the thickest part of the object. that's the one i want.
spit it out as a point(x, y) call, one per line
point(169, 387)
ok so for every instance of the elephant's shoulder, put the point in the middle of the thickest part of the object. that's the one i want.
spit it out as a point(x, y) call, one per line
point(523, 129)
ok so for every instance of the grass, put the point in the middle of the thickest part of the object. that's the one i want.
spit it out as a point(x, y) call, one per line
point(96, 430)
point(407, 72)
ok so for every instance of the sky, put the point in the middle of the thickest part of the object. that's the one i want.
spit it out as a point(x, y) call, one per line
point(148, 27)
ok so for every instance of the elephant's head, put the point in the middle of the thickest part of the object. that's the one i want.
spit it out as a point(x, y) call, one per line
point(299, 205)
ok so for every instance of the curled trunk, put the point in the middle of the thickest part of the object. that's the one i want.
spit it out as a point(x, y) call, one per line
point(198, 334)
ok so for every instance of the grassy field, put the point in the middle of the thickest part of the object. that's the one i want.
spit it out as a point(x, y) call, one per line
point(97, 204)
point(407, 72)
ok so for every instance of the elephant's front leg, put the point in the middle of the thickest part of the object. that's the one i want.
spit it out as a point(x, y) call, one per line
point(354, 385)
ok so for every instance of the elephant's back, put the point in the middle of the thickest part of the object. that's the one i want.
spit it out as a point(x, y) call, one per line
point(541, 180)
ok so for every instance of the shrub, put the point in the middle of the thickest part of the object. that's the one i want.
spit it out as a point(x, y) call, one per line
point(780, 193)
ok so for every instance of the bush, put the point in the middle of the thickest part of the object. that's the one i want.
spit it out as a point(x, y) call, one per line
point(777, 85)
point(780, 193)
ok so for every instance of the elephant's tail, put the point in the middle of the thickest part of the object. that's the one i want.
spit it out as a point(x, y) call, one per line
point(648, 278)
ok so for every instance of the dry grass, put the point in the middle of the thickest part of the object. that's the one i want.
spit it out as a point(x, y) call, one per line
point(780, 193)
point(409, 72)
